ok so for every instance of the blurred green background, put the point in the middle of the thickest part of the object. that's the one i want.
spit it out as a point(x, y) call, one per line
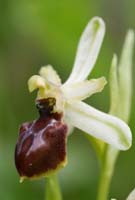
point(34, 33)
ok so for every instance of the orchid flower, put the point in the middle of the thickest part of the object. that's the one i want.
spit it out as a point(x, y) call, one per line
point(66, 100)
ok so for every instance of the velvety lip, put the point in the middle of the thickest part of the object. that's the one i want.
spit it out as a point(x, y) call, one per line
point(41, 146)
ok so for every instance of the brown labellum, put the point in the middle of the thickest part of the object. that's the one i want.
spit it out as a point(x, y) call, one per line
point(41, 146)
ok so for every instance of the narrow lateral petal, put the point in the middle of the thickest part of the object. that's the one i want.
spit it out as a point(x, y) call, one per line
point(103, 126)
point(50, 74)
point(82, 90)
point(88, 50)
point(35, 82)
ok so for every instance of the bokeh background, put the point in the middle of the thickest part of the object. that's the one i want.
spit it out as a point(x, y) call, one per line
point(34, 33)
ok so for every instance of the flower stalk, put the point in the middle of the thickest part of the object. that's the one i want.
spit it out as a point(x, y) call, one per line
point(107, 169)
point(52, 188)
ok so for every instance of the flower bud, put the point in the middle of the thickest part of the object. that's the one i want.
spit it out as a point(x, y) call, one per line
point(41, 146)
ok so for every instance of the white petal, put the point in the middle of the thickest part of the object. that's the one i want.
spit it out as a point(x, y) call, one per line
point(103, 126)
point(50, 74)
point(88, 50)
point(131, 195)
point(84, 89)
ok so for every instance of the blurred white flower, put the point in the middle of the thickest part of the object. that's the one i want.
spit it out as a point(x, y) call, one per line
point(131, 195)
point(70, 95)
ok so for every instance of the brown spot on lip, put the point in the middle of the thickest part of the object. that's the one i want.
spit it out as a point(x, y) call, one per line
point(41, 145)
point(45, 106)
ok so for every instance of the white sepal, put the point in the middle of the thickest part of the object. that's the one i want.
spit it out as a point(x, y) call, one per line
point(103, 126)
point(82, 90)
point(88, 50)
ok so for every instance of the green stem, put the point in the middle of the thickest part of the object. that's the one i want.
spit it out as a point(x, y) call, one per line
point(107, 168)
point(52, 188)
